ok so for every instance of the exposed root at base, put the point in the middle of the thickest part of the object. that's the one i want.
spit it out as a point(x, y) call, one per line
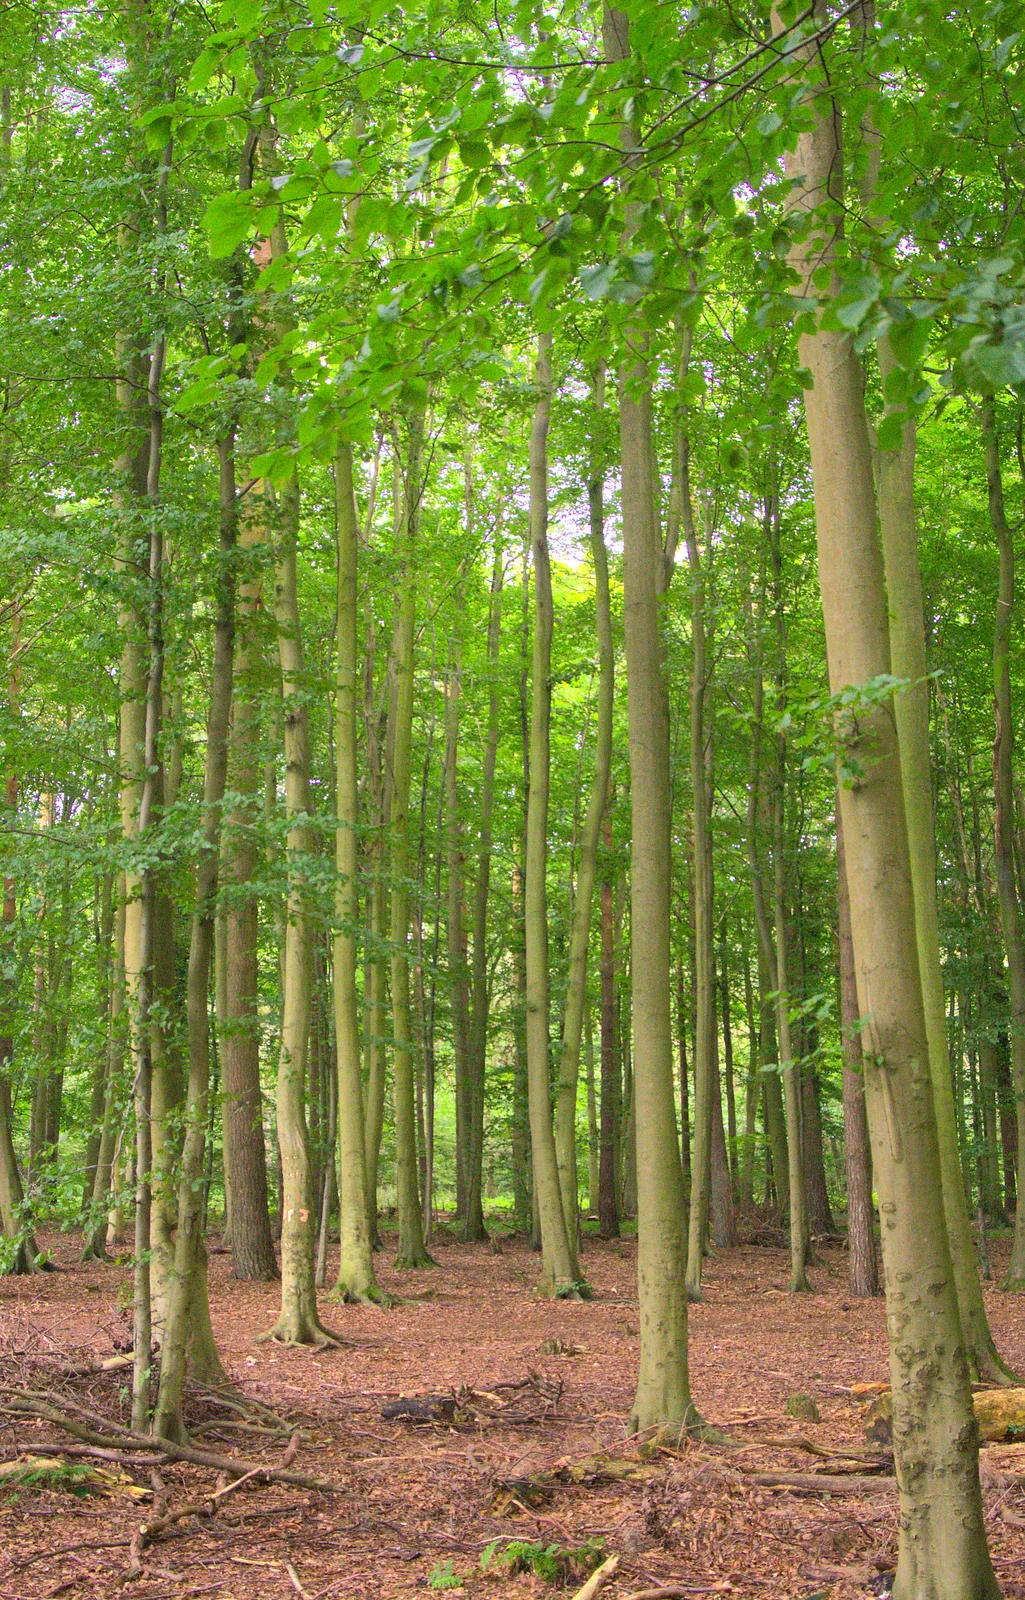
point(312, 1335)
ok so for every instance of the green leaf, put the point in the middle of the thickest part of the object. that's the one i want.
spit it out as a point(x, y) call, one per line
point(853, 314)
point(596, 281)
point(769, 123)
point(227, 221)
point(1003, 50)
point(890, 431)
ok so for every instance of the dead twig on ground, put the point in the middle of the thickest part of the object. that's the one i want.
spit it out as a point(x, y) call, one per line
point(115, 1435)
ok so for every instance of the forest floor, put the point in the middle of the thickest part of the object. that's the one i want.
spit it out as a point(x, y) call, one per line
point(418, 1506)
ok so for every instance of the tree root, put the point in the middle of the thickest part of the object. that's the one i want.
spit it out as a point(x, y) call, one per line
point(301, 1328)
point(345, 1295)
point(413, 1263)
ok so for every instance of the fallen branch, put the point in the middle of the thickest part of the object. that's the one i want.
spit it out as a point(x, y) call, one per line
point(672, 1591)
point(823, 1483)
point(148, 1531)
point(116, 1435)
point(124, 1458)
point(799, 1442)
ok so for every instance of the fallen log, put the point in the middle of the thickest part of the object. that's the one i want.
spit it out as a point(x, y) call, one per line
point(823, 1482)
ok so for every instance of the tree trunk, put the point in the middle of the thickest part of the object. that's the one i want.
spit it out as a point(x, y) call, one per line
point(142, 1326)
point(456, 935)
point(746, 1190)
point(12, 1194)
point(896, 494)
point(662, 1400)
point(580, 930)
point(356, 1279)
point(558, 1248)
point(681, 1029)
point(775, 1126)
point(95, 1243)
point(480, 993)
point(663, 1397)
point(611, 1076)
point(942, 1541)
point(820, 1216)
point(188, 1311)
point(412, 1252)
point(789, 1067)
point(1003, 816)
point(727, 1048)
point(705, 1044)
point(104, 989)
point(245, 1158)
point(299, 1320)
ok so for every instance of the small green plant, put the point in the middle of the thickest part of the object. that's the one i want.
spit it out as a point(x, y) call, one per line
point(554, 1563)
point(443, 1577)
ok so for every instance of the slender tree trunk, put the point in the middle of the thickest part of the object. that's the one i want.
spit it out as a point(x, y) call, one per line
point(775, 1127)
point(705, 1066)
point(95, 1244)
point(142, 1326)
point(727, 1046)
point(104, 984)
point(580, 929)
point(681, 1029)
point(663, 1398)
point(592, 1112)
point(611, 1077)
point(299, 1320)
point(480, 993)
point(663, 1386)
point(746, 1190)
point(356, 1279)
point(1003, 816)
point(188, 1312)
point(559, 1266)
point(791, 1069)
point(412, 1252)
point(12, 1195)
point(455, 929)
point(523, 1208)
point(942, 1541)
point(245, 1159)
point(724, 1226)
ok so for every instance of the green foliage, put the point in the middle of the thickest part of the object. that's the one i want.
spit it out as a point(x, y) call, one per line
point(443, 1577)
point(556, 1564)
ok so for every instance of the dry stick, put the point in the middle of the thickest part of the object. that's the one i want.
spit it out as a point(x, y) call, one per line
point(236, 1465)
point(148, 1531)
point(673, 1591)
point(294, 1579)
point(124, 1458)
